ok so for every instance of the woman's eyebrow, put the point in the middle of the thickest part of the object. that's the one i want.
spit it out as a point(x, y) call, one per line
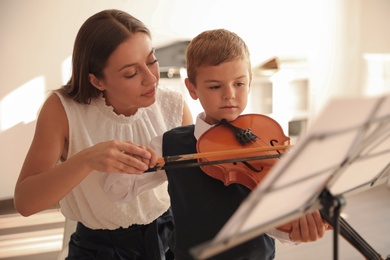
point(126, 66)
point(132, 64)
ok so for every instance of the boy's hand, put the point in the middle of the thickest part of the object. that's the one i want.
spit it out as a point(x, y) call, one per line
point(308, 228)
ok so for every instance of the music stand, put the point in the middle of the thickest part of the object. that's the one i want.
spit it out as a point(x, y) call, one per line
point(346, 149)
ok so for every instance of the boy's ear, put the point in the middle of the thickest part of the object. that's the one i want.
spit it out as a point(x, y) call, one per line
point(250, 82)
point(95, 81)
point(191, 89)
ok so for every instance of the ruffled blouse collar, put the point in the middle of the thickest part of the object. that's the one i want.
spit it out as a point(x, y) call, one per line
point(108, 110)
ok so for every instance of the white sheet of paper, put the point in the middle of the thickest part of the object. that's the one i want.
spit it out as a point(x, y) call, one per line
point(351, 128)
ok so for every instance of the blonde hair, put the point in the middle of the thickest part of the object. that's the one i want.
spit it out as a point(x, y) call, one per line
point(213, 47)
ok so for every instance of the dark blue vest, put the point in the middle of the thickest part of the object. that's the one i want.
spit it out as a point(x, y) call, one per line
point(201, 205)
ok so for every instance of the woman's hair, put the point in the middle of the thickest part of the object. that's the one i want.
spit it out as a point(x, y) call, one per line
point(97, 38)
point(213, 47)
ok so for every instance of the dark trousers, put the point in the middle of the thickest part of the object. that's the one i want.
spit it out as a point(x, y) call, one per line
point(146, 242)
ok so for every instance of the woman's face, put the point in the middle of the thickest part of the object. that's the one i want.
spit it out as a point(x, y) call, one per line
point(130, 76)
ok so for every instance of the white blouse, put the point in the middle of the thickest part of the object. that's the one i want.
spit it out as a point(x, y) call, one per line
point(100, 201)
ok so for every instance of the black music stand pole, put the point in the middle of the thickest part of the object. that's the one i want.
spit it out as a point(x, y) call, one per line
point(331, 211)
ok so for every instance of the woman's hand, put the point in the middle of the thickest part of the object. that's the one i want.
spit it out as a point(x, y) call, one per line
point(118, 156)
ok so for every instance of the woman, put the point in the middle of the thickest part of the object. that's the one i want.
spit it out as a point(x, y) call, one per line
point(90, 129)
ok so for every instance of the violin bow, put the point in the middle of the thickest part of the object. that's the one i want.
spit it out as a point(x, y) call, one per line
point(195, 164)
point(184, 157)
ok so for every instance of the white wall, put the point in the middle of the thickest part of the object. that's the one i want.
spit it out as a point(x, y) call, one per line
point(37, 39)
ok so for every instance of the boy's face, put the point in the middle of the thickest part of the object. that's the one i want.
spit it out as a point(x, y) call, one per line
point(222, 90)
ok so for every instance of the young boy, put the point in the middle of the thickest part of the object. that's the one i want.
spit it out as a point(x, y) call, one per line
point(219, 75)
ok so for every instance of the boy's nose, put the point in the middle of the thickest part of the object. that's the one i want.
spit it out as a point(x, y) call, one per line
point(229, 93)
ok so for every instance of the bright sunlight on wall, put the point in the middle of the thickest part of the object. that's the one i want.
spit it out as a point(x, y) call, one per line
point(66, 69)
point(22, 104)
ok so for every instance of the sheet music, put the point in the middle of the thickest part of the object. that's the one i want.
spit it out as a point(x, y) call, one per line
point(347, 146)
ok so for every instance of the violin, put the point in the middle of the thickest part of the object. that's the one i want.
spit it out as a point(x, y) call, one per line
point(243, 151)
point(247, 131)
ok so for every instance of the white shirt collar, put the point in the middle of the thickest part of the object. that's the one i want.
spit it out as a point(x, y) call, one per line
point(200, 125)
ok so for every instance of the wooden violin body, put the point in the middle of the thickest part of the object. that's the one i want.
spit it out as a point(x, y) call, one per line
point(247, 131)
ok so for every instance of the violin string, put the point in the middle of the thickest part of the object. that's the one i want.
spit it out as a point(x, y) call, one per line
point(260, 142)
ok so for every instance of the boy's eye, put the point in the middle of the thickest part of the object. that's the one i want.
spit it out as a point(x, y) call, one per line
point(214, 87)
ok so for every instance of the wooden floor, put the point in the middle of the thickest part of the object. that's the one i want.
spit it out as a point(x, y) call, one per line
point(368, 212)
point(36, 237)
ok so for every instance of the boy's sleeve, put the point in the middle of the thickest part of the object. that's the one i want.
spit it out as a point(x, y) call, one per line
point(283, 237)
point(122, 188)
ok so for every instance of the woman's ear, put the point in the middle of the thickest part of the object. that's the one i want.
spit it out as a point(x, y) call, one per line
point(191, 89)
point(95, 82)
